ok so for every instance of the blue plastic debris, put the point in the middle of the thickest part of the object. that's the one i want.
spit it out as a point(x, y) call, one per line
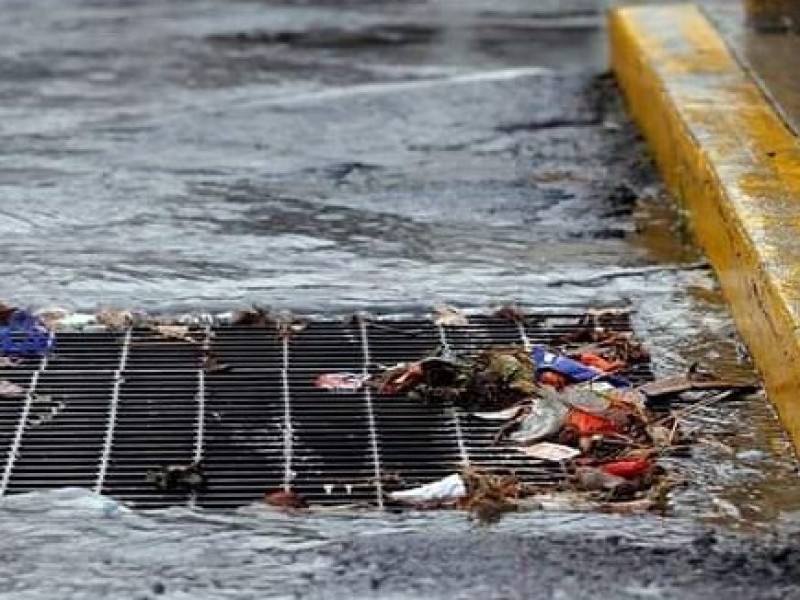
point(25, 335)
point(576, 372)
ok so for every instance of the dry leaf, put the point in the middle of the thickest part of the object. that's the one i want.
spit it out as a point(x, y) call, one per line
point(51, 317)
point(510, 312)
point(114, 319)
point(661, 436)
point(254, 317)
point(449, 316)
point(211, 364)
point(175, 332)
point(285, 499)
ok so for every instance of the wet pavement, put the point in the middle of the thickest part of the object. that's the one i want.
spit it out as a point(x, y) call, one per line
point(209, 153)
point(769, 51)
point(328, 156)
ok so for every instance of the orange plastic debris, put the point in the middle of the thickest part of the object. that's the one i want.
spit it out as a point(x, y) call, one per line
point(594, 360)
point(553, 379)
point(627, 468)
point(586, 423)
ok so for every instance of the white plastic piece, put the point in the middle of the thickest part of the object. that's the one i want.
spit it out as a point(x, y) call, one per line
point(499, 415)
point(550, 451)
point(9, 389)
point(451, 487)
point(341, 382)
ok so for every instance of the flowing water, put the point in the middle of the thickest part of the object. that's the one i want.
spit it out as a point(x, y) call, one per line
point(330, 156)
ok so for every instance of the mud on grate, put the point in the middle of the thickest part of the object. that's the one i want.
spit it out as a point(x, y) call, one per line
point(109, 406)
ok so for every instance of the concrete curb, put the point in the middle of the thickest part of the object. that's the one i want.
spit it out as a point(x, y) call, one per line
point(726, 154)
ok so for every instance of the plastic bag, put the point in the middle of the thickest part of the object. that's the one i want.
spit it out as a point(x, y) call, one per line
point(25, 335)
point(546, 361)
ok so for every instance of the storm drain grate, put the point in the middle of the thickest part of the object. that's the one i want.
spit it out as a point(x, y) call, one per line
point(109, 406)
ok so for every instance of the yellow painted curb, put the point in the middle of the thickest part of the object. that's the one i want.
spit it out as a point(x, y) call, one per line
point(725, 153)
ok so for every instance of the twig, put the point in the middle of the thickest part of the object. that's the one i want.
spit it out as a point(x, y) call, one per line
point(633, 272)
point(672, 432)
point(684, 412)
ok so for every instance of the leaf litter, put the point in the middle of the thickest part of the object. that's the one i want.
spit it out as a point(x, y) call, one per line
point(570, 404)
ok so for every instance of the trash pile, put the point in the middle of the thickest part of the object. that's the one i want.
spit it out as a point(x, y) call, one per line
point(569, 405)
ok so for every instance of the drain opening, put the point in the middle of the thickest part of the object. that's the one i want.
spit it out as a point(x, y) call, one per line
point(109, 406)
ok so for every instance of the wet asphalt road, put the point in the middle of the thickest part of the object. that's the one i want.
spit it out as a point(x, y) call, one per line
point(310, 155)
point(326, 156)
point(526, 565)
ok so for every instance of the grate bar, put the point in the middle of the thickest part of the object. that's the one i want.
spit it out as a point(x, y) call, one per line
point(201, 419)
point(452, 410)
point(45, 357)
point(112, 412)
point(201, 410)
point(13, 452)
point(288, 429)
point(201, 401)
point(523, 335)
point(373, 432)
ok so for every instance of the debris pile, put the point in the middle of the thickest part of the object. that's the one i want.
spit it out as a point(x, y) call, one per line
point(569, 405)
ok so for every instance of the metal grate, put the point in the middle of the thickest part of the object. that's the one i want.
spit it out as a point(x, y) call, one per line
point(109, 406)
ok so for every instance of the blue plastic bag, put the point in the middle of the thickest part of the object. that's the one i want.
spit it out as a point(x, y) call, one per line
point(577, 372)
point(25, 335)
